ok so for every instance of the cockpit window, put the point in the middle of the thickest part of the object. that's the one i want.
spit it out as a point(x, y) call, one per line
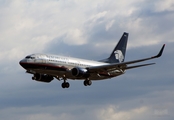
point(29, 57)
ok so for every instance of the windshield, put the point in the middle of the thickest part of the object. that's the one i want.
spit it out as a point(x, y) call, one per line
point(29, 57)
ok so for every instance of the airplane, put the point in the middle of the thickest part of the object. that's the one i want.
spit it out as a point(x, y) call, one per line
point(46, 67)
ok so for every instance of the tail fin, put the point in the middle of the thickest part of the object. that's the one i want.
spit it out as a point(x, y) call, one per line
point(119, 52)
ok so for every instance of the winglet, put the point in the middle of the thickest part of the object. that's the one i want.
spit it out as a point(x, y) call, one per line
point(160, 53)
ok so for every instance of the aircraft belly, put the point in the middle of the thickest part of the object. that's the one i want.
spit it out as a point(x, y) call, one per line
point(62, 71)
point(55, 73)
point(68, 75)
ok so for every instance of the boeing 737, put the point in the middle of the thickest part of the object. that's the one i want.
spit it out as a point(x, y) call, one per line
point(46, 67)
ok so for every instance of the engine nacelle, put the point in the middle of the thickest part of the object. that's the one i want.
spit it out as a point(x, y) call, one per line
point(42, 78)
point(80, 72)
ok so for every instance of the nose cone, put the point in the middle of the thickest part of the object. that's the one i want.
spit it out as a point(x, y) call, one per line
point(22, 62)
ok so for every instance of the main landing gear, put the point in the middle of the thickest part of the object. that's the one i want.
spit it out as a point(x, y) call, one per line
point(87, 82)
point(65, 84)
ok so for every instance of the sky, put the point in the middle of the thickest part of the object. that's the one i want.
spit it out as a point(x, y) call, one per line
point(87, 29)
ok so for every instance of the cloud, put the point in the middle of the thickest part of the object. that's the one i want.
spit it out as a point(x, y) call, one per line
point(109, 25)
point(164, 6)
point(74, 37)
point(112, 113)
point(78, 24)
point(90, 30)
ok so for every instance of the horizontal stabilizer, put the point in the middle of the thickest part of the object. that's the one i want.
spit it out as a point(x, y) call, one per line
point(136, 66)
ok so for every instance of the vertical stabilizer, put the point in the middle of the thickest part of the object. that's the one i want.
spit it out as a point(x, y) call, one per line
point(119, 52)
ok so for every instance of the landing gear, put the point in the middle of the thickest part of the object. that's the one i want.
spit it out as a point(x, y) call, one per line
point(65, 85)
point(33, 78)
point(87, 82)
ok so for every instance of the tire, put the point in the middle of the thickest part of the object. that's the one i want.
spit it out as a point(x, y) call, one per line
point(67, 85)
point(63, 85)
point(85, 83)
point(89, 82)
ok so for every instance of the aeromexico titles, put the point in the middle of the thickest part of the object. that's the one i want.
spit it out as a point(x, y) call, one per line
point(46, 67)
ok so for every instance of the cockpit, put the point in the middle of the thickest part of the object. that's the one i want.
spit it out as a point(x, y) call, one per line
point(30, 57)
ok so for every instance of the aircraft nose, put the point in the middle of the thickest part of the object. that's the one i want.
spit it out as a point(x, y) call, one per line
point(21, 62)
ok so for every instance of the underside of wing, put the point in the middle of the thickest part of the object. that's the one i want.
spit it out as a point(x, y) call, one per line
point(136, 66)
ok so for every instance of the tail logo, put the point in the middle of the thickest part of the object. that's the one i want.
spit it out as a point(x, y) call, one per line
point(119, 55)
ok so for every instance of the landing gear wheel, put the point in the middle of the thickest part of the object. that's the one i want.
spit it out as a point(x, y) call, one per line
point(87, 82)
point(33, 78)
point(65, 85)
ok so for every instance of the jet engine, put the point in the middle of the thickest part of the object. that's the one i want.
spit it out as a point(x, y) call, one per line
point(42, 78)
point(80, 72)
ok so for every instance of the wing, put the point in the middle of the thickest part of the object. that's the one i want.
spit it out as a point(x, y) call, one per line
point(124, 65)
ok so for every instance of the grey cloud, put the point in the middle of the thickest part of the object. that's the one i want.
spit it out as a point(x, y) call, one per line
point(159, 21)
point(150, 86)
